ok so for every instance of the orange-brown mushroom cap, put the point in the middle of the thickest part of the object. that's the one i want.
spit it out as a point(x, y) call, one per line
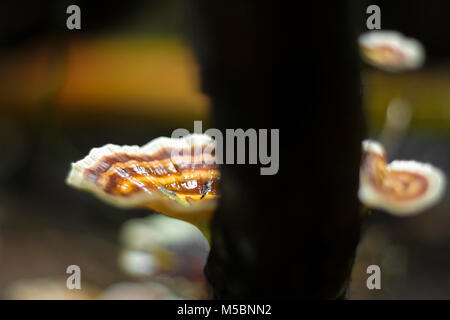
point(402, 188)
point(176, 177)
point(391, 51)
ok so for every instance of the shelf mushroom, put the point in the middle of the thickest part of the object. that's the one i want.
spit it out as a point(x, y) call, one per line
point(177, 177)
point(391, 51)
point(402, 188)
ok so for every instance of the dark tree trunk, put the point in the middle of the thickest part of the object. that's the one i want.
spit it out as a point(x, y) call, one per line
point(292, 234)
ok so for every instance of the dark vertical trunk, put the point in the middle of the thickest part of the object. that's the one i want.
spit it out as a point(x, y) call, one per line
point(292, 234)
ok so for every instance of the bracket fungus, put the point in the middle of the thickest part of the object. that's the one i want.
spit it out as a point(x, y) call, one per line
point(402, 188)
point(391, 51)
point(177, 177)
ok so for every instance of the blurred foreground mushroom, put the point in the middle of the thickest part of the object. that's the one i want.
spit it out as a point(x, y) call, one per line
point(138, 291)
point(48, 289)
point(162, 245)
point(161, 288)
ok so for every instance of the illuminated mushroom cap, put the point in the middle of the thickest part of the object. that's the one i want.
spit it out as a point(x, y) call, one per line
point(176, 177)
point(402, 188)
point(391, 51)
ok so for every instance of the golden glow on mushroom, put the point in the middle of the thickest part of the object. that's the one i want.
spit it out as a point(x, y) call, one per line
point(391, 51)
point(176, 177)
point(402, 187)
